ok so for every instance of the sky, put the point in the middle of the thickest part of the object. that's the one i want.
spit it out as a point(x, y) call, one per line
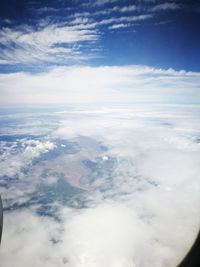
point(41, 39)
point(37, 34)
point(140, 56)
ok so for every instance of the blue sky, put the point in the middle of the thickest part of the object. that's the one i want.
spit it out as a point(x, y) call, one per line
point(62, 52)
point(35, 35)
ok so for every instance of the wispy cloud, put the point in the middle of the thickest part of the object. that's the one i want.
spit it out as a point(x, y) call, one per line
point(46, 9)
point(7, 21)
point(103, 2)
point(166, 6)
point(51, 43)
point(84, 22)
point(125, 19)
point(73, 37)
point(60, 43)
point(119, 26)
point(128, 8)
point(124, 9)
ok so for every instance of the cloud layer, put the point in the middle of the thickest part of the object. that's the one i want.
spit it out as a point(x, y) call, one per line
point(124, 84)
point(143, 209)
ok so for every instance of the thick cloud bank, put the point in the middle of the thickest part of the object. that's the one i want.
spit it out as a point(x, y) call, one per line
point(96, 187)
point(110, 84)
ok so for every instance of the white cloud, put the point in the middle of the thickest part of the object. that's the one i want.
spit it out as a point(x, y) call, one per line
point(103, 2)
point(42, 45)
point(80, 20)
point(88, 23)
point(127, 19)
point(79, 84)
point(157, 169)
point(49, 42)
point(81, 14)
point(46, 9)
point(8, 21)
point(30, 45)
point(149, 213)
point(119, 26)
point(5, 62)
point(12, 163)
point(166, 6)
point(123, 9)
point(128, 8)
point(35, 235)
